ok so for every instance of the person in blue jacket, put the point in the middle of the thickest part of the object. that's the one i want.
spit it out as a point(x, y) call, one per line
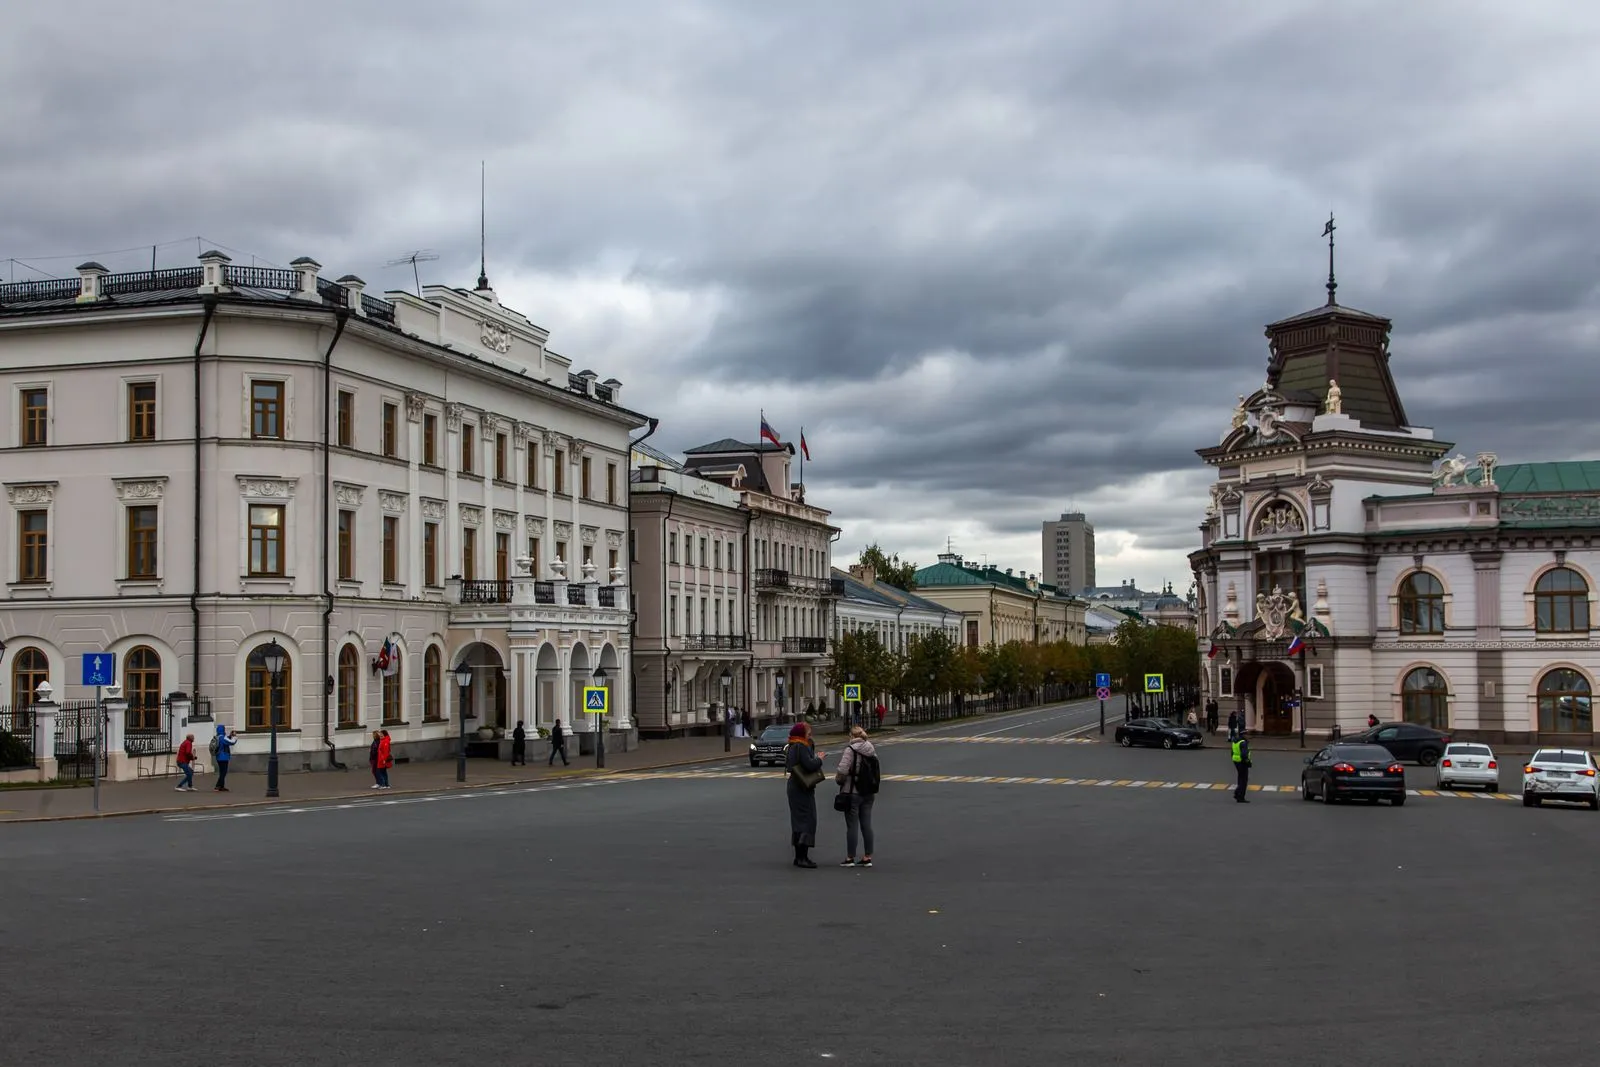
point(222, 753)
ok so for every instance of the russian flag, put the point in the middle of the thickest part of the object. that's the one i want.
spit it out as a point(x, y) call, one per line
point(1215, 648)
point(1297, 644)
point(768, 433)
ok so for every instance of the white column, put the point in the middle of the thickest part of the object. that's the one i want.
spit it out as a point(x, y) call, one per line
point(44, 738)
point(413, 546)
point(452, 514)
point(118, 766)
point(564, 683)
point(621, 719)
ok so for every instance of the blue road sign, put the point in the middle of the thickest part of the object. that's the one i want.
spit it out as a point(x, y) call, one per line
point(594, 699)
point(1102, 681)
point(99, 668)
point(852, 694)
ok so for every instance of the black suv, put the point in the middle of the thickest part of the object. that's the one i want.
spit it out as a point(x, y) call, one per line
point(768, 748)
point(1405, 741)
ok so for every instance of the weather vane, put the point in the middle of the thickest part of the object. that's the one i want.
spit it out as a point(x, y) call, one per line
point(1327, 231)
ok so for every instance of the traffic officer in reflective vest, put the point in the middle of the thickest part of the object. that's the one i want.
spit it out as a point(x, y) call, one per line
point(1241, 767)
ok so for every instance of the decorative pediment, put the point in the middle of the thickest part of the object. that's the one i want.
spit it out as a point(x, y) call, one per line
point(1277, 519)
point(505, 520)
point(347, 495)
point(266, 488)
point(471, 514)
point(534, 526)
point(433, 509)
point(23, 493)
point(138, 489)
point(394, 503)
point(1319, 486)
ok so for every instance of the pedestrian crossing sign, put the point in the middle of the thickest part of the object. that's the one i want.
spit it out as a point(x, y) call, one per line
point(852, 694)
point(594, 699)
point(1155, 683)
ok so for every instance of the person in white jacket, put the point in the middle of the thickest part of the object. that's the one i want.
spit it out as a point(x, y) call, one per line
point(857, 805)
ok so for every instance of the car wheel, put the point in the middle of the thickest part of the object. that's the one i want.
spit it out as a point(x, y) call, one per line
point(1594, 802)
point(1529, 800)
point(755, 763)
point(1397, 801)
point(1125, 741)
point(1327, 794)
point(1166, 742)
point(1443, 786)
point(1305, 789)
point(1428, 757)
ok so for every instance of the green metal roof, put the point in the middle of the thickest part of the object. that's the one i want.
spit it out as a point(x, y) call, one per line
point(1575, 476)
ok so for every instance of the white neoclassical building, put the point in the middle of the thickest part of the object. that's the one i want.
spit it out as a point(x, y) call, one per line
point(1425, 587)
point(896, 617)
point(198, 462)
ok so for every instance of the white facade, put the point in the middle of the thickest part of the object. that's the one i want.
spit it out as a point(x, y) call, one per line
point(407, 469)
point(1461, 597)
point(897, 618)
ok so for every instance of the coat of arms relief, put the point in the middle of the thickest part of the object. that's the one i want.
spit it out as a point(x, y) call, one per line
point(1277, 611)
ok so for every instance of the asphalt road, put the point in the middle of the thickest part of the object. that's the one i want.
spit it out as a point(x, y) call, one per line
point(657, 920)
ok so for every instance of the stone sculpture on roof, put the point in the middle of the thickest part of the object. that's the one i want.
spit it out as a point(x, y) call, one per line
point(1451, 471)
point(1335, 404)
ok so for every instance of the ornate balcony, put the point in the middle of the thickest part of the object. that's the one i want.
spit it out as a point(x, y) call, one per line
point(716, 642)
point(805, 645)
point(773, 579)
point(486, 591)
point(524, 599)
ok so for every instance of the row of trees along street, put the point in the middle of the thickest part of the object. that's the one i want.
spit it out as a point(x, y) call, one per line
point(936, 678)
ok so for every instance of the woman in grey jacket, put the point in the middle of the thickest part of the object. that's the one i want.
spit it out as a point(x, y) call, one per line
point(801, 758)
point(858, 810)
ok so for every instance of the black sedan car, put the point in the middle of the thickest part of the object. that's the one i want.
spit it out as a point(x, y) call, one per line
point(769, 745)
point(1405, 741)
point(1162, 732)
point(1344, 771)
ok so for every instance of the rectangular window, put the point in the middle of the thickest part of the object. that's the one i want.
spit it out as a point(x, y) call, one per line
point(469, 444)
point(588, 554)
point(561, 471)
point(430, 440)
point(142, 541)
point(702, 615)
point(33, 546)
point(611, 483)
point(704, 559)
point(716, 617)
point(266, 540)
point(672, 548)
point(469, 553)
point(347, 546)
point(972, 633)
point(142, 411)
point(430, 553)
point(499, 457)
point(530, 477)
point(35, 418)
point(393, 712)
point(561, 552)
point(611, 562)
point(346, 420)
point(391, 429)
point(391, 548)
point(672, 616)
point(716, 555)
point(583, 473)
point(502, 557)
point(266, 410)
point(533, 554)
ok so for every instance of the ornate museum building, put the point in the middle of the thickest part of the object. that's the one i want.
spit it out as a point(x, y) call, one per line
point(1351, 565)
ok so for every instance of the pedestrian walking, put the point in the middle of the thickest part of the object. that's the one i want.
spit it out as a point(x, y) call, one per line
point(385, 758)
point(186, 764)
point(747, 722)
point(879, 713)
point(372, 758)
point(1211, 716)
point(222, 754)
point(1193, 719)
point(858, 778)
point(1241, 767)
point(804, 764)
point(519, 745)
point(558, 744)
point(1233, 725)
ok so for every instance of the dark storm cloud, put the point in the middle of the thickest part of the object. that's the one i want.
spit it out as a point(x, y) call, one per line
point(999, 259)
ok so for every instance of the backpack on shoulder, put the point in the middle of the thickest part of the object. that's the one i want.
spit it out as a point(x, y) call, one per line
point(867, 773)
point(215, 746)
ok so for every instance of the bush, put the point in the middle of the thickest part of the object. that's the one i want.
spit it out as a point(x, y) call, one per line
point(14, 752)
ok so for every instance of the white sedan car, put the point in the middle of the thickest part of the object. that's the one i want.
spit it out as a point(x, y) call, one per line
point(1468, 763)
point(1561, 774)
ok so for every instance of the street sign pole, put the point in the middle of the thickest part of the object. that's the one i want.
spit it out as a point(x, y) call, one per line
point(99, 744)
point(99, 670)
point(1102, 718)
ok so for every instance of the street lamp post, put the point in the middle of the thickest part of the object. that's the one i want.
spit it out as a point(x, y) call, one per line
point(782, 717)
point(727, 719)
point(932, 696)
point(600, 722)
point(463, 684)
point(273, 659)
point(849, 712)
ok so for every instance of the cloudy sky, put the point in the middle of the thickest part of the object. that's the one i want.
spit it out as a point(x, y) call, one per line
point(1000, 258)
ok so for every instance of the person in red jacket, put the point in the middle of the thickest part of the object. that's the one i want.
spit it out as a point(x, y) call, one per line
point(385, 760)
point(186, 764)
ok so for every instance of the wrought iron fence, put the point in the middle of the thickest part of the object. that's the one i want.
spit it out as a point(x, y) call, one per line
point(148, 731)
point(18, 738)
point(716, 642)
point(151, 281)
point(42, 289)
point(544, 592)
point(333, 294)
point(381, 310)
point(608, 596)
point(575, 595)
point(78, 751)
point(805, 644)
point(264, 278)
point(771, 578)
point(486, 591)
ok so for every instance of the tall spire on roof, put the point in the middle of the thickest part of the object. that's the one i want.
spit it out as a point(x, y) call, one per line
point(483, 226)
point(1327, 231)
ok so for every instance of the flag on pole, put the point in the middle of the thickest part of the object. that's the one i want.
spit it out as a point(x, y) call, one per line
point(804, 450)
point(388, 658)
point(767, 432)
point(1215, 648)
point(1297, 644)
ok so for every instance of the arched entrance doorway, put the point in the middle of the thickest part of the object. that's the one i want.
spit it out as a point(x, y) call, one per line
point(1274, 697)
point(485, 699)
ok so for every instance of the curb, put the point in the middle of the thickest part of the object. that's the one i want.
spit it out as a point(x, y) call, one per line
point(585, 772)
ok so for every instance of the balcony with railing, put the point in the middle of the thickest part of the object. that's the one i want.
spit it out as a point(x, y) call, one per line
point(716, 642)
point(805, 645)
point(774, 579)
point(483, 600)
point(486, 591)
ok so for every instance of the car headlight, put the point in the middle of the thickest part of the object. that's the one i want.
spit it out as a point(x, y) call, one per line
point(752, 748)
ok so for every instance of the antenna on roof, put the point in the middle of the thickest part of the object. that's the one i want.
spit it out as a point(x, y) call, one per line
point(483, 225)
point(421, 255)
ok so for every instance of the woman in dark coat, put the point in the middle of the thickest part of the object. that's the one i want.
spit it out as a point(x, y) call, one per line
point(800, 757)
point(519, 745)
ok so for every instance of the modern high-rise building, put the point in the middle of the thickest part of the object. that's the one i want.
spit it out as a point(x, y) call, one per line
point(1068, 550)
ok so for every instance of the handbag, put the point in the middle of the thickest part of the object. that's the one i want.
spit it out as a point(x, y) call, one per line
point(841, 801)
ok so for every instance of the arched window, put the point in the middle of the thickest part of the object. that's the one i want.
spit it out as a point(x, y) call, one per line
point(261, 694)
point(1564, 703)
point(1425, 699)
point(393, 712)
point(141, 682)
point(349, 685)
point(1561, 602)
point(27, 671)
point(1421, 604)
point(432, 685)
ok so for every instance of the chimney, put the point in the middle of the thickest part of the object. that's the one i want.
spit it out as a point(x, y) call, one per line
point(306, 269)
point(215, 279)
point(352, 292)
point(863, 573)
point(90, 274)
point(616, 389)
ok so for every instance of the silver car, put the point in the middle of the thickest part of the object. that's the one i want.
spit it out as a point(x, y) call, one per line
point(1561, 774)
point(1469, 763)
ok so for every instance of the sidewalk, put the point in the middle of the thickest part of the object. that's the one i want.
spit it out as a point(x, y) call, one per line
point(152, 795)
